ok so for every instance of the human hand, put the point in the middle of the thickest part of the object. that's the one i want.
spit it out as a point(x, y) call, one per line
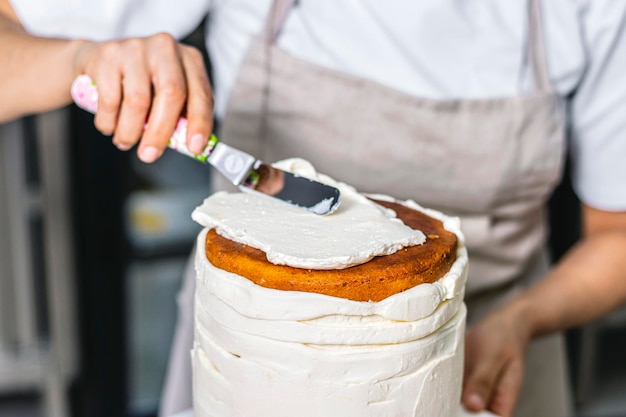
point(144, 86)
point(495, 351)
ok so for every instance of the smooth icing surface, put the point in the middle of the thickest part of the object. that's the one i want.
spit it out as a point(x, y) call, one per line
point(261, 352)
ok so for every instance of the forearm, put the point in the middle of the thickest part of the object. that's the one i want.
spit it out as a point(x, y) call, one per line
point(36, 72)
point(589, 282)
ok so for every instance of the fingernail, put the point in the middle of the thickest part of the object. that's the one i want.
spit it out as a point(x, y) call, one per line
point(197, 143)
point(475, 401)
point(123, 146)
point(149, 154)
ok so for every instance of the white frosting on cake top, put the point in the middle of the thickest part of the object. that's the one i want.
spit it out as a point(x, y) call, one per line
point(355, 233)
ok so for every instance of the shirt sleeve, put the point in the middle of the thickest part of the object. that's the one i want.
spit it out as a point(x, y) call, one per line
point(598, 108)
point(106, 19)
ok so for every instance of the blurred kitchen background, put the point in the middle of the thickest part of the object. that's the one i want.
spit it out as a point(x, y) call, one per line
point(93, 244)
point(92, 248)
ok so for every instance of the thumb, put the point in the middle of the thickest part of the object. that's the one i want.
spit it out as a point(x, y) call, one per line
point(478, 388)
point(496, 389)
point(482, 368)
point(507, 390)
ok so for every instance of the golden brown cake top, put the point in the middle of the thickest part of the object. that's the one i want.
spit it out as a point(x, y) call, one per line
point(374, 280)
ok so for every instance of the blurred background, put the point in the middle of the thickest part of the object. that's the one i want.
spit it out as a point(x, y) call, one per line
point(92, 248)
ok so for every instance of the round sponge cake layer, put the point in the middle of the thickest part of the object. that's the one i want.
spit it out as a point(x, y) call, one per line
point(374, 280)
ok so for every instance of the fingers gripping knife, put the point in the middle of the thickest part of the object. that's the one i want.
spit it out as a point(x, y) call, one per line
point(242, 169)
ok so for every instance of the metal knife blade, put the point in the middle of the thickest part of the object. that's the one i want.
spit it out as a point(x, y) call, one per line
point(239, 167)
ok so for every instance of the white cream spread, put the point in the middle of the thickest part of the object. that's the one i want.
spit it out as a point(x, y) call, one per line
point(261, 352)
point(355, 233)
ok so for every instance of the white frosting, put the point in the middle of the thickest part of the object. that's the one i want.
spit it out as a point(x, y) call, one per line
point(353, 234)
point(261, 352)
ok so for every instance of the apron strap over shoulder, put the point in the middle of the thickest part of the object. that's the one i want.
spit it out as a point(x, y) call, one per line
point(536, 47)
point(276, 17)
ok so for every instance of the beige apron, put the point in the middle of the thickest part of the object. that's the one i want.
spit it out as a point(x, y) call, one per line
point(491, 162)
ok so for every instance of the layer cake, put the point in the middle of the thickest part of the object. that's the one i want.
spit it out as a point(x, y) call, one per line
point(358, 313)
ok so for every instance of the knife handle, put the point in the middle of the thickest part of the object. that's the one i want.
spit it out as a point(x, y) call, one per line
point(85, 94)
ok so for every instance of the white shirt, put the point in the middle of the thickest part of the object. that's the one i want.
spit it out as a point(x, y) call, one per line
point(439, 49)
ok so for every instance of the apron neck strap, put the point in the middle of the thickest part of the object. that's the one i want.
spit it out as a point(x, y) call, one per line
point(536, 47)
point(277, 15)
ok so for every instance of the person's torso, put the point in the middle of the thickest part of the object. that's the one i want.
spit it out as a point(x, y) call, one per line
point(439, 49)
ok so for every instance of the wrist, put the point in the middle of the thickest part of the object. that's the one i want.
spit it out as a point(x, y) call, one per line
point(79, 49)
point(522, 316)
